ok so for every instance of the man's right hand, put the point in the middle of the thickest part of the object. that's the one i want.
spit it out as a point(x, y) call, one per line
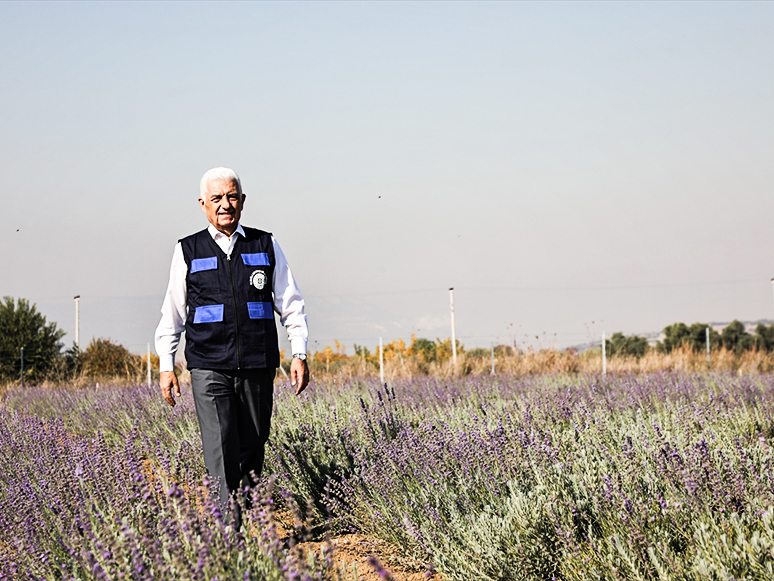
point(169, 385)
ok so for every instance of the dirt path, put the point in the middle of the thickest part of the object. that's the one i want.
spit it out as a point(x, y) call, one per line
point(352, 552)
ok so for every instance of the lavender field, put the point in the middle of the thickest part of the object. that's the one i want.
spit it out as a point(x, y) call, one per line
point(545, 477)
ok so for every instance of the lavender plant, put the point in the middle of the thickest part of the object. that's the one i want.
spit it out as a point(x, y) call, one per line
point(564, 477)
point(642, 478)
point(75, 507)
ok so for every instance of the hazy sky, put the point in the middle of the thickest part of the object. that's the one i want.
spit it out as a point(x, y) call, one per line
point(568, 167)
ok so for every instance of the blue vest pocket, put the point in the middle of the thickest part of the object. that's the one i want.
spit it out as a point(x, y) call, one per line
point(198, 264)
point(259, 310)
point(208, 314)
point(256, 259)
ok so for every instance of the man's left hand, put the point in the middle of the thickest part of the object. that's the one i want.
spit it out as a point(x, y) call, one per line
point(169, 386)
point(299, 375)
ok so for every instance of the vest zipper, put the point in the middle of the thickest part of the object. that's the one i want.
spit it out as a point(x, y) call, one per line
point(236, 311)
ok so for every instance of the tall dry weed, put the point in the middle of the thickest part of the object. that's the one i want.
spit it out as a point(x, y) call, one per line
point(550, 361)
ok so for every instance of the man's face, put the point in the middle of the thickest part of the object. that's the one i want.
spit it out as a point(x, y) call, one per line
point(223, 204)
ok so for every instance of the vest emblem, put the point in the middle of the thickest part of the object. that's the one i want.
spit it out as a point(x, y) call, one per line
point(258, 279)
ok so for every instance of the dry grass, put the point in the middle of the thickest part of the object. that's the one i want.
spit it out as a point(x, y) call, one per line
point(550, 361)
point(518, 363)
point(83, 380)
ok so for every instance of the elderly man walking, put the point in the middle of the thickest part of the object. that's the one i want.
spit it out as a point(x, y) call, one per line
point(225, 284)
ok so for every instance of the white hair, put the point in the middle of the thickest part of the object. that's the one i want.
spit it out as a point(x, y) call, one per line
point(218, 173)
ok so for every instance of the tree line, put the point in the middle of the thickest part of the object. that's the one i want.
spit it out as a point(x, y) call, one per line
point(45, 358)
point(734, 337)
point(21, 325)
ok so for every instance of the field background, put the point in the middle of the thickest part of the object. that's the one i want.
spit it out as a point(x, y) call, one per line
point(403, 362)
point(567, 476)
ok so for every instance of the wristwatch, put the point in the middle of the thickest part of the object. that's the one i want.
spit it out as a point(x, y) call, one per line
point(301, 356)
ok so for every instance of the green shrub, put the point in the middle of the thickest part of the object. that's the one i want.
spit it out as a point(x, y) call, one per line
point(104, 359)
point(21, 325)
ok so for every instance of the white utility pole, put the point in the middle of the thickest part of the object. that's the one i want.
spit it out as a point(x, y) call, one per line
point(22, 366)
point(77, 322)
point(381, 361)
point(149, 366)
point(708, 347)
point(604, 355)
point(454, 334)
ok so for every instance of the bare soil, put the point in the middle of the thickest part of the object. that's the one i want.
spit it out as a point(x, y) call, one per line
point(353, 551)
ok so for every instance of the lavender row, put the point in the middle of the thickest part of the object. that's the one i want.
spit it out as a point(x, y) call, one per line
point(661, 476)
point(570, 478)
point(78, 507)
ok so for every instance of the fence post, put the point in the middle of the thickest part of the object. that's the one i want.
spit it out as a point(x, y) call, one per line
point(381, 360)
point(77, 323)
point(708, 347)
point(604, 355)
point(22, 367)
point(493, 363)
point(453, 330)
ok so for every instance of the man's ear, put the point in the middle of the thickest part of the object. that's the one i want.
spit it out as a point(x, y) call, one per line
point(201, 203)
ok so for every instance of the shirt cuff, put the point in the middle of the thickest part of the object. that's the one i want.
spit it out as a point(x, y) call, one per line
point(167, 363)
point(297, 345)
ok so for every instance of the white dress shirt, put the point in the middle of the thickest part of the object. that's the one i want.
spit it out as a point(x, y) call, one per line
point(288, 302)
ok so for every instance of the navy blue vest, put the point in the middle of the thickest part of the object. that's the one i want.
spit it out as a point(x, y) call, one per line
point(230, 323)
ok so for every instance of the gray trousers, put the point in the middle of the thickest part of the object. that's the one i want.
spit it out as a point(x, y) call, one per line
point(234, 410)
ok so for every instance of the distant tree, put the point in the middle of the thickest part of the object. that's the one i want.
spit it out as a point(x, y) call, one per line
point(631, 346)
point(71, 358)
point(695, 336)
point(736, 338)
point(104, 359)
point(21, 325)
point(478, 352)
point(425, 348)
point(362, 351)
point(503, 350)
point(499, 351)
point(443, 348)
point(764, 337)
point(674, 336)
point(328, 356)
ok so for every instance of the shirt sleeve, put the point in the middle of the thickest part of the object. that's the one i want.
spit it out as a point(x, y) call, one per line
point(173, 312)
point(288, 302)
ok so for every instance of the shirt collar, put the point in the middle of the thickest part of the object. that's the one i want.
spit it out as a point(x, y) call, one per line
point(215, 233)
